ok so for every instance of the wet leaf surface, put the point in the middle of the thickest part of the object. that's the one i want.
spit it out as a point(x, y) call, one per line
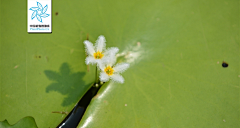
point(175, 48)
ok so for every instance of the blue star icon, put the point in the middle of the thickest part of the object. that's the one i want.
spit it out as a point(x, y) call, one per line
point(39, 12)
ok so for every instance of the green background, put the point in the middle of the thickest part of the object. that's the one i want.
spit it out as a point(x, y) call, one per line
point(175, 49)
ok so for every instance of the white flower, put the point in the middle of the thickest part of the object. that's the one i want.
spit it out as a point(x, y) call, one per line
point(97, 53)
point(108, 71)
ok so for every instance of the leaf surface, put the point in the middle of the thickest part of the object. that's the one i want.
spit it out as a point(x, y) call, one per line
point(176, 79)
point(26, 122)
point(175, 50)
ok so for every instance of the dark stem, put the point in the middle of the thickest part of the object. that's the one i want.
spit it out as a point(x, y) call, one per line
point(74, 117)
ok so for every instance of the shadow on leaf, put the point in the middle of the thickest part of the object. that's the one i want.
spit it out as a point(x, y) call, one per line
point(66, 83)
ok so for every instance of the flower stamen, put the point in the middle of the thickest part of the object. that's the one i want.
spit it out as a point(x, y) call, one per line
point(109, 70)
point(98, 55)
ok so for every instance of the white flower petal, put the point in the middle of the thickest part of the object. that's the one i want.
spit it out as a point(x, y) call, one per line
point(101, 66)
point(110, 56)
point(111, 51)
point(100, 43)
point(110, 60)
point(119, 68)
point(89, 47)
point(106, 61)
point(117, 78)
point(99, 62)
point(104, 77)
point(90, 60)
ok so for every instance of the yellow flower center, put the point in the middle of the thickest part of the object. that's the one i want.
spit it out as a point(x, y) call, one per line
point(98, 55)
point(109, 70)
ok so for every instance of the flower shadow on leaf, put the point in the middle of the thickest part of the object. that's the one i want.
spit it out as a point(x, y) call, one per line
point(67, 83)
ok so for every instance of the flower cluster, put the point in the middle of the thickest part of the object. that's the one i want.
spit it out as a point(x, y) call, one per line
point(105, 60)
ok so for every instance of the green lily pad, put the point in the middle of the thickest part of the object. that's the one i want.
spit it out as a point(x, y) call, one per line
point(42, 75)
point(175, 49)
point(176, 78)
point(26, 122)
